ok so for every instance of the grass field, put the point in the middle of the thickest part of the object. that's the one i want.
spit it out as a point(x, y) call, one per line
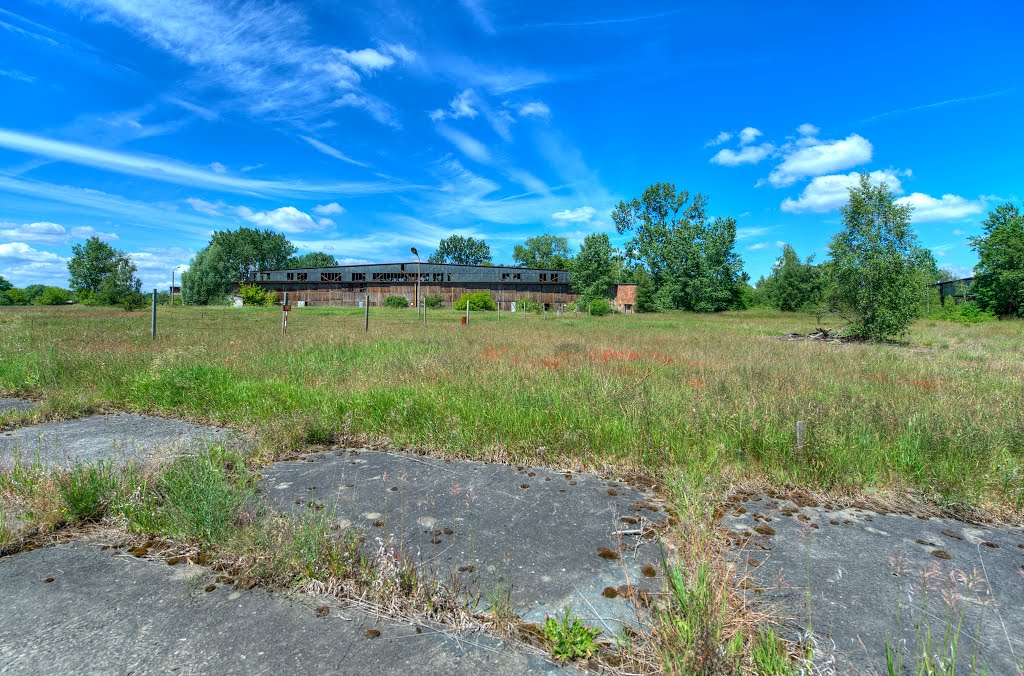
point(694, 402)
point(940, 416)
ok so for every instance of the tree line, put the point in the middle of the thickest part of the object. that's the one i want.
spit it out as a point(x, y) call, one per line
point(877, 276)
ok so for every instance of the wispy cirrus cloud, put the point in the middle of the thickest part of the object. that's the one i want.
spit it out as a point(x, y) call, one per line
point(469, 146)
point(261, 53)
point(171, 171)
point(331, 151)
point(479, 14)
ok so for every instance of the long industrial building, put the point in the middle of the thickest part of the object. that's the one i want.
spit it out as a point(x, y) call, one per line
point(352, 284)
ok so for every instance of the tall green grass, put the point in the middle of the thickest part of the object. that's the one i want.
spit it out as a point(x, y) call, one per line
point(941, 415)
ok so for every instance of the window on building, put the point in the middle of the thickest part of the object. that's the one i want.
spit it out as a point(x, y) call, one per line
point(330, 276)
point(290, 276)
point(554, 276)
point(302, 276)
point(505, 276)
point(517, 276)
point(543, 276)
point(358, 276)
point(438, 277)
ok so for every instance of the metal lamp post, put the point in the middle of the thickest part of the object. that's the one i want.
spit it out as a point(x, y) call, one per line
point(417, 255)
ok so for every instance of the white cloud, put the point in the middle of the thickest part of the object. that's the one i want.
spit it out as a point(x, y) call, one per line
point(218, 168)
point(722, 137)
point(945, 208)
point(463, 105)
point(578, 215)
point(48, 233)
point(807, 129)
point(400, 52)
point(745, 155)
point(378, 110)
point(750, 233)
point(367, 60)
point(748, 135)
point(261, 52)
point(534, 109)
point(765, 245)
point(205, 113)
point(469, 146)
point(828, 193)
point(171, 171)
point(331, 209)
point(479, 13)
point(285, 219)
point(959, 233)
point(22, 265)
point(331, 151)
point(204, 207)
point(820, 157)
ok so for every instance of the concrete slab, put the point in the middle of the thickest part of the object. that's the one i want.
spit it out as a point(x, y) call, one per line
point(551, 540)
point(104, 613)
point(8, 404)
point(860, 578)
point(115, 436)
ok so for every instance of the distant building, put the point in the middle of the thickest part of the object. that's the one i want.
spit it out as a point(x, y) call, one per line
point(625, 298)
point(350, 285)
point(957, 289)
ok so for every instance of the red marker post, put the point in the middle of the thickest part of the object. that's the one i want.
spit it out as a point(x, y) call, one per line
point(285, 308)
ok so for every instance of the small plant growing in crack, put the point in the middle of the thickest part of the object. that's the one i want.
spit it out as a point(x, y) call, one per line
point(569, 637)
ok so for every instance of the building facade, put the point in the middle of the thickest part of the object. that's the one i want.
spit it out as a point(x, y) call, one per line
point(351, 285)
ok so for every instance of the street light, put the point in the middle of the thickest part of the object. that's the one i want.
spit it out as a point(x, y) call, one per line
point(417, 255)
point(173, 270)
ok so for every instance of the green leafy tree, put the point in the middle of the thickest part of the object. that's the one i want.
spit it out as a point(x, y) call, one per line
point(690, 257)
point(5, 286)
point(316, 259)
point(645, 292)
point(794, 284)
point(999, 275)
point(461, 250)
point(207, 279)
point(32, 292)
point(231, 257)
point(594, 270)
point(876, 264)
point(14, 297)
point(543, 251)
point(52, 295)
point(101, 274)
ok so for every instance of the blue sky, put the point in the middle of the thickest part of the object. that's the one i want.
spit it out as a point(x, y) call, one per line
point(364, 128)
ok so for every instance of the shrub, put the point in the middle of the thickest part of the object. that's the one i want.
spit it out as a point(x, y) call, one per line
point(132, 301)
point(256, 295)
point(396, 302)
point(964, 313)
point(434, 300)
point(478, 300)
point(600, 307)
point(569, 637)
point(528, 305)
point(52, 295)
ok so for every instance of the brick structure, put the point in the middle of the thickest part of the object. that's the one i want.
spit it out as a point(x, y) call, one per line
point(349, 285)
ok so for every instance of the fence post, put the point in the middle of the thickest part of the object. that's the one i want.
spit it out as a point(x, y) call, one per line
point(153, 328)
point(284, 314)
point(366, 314)
point(800, 435)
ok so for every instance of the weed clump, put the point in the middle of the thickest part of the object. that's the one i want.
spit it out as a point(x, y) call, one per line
point(569, 638)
